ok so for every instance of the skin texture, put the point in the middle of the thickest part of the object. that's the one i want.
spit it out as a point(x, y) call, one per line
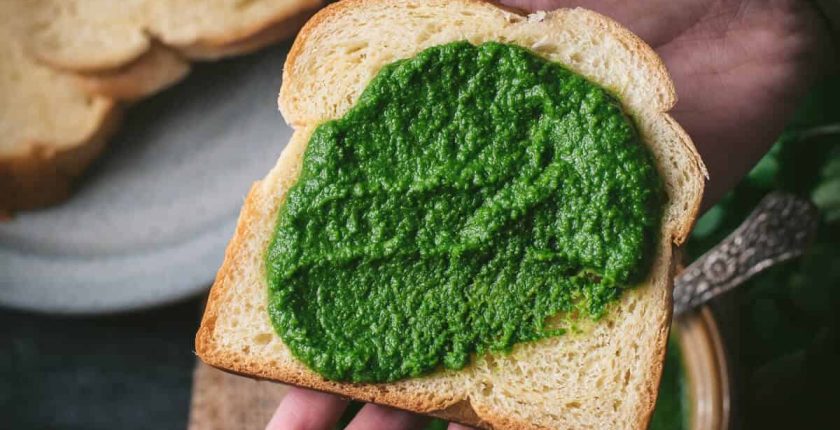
point(740, 68)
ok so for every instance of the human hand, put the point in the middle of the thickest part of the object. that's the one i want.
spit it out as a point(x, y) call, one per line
point(739, 67)
point(310, 410)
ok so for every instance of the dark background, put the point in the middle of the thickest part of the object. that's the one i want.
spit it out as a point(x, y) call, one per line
point(127, 372)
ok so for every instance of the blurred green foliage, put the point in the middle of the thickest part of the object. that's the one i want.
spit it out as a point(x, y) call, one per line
point(673, 406)
point(789, 322)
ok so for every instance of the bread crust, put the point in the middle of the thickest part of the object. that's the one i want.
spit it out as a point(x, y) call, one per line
point(448, 407)
point(238, 41)
point(43, 174)
point(115, 62)
point(259, 36)
point(155, 70)
point(154, 66)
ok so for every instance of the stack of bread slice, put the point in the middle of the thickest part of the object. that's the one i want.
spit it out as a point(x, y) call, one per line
point(67, 66)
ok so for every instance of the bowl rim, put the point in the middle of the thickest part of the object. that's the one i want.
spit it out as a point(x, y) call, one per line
point(707, 368)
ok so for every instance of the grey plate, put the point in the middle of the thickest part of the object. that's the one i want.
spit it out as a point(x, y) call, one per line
point(149, 224)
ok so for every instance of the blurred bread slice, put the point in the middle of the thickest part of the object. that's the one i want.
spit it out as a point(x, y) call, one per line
point(155, 70)
point(95, 35)
point(161, 66)
point(134, 48)
point(50, 130)
point(211, 50)
point(66, 65)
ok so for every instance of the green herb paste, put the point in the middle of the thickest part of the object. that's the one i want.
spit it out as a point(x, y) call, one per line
point(472, 195)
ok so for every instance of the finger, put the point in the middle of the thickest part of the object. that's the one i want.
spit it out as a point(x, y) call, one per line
point(456, 426)
point(307, 410)
point(740, 74)
point(385, 418)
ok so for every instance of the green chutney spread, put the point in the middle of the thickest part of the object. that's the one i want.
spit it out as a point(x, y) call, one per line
point(472, 198)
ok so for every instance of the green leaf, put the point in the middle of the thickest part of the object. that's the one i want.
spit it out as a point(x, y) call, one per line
point(709, 222)
point(764, 173)
point(827, 198)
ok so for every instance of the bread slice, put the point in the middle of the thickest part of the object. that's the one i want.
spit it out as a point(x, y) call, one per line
point(96, 35)
point(214, 49)
point(605, 377)
point(158, 68)
point(50, 130)
point(132, 49)
point(56, 119)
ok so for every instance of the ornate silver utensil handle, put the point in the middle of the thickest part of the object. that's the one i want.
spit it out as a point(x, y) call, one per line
point(780, 228)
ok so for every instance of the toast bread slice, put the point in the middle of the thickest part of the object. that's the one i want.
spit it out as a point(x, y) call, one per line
point(50, 130)
point(135, 48)
point(607, 375)
point(68, 65)
point(160, 66)
point(96, 35)
point(157, 69)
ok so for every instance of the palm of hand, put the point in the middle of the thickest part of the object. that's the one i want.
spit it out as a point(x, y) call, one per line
point(739, 67)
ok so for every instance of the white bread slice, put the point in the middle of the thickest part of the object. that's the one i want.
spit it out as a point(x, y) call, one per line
point(95, 35)
point(131, 49)
point(161, 66)
point(56, 119)
point(211, 50)
point(605, 377)
point(50, 130)
point(155, 70)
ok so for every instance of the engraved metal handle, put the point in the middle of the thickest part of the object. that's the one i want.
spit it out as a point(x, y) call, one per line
point(780, 228)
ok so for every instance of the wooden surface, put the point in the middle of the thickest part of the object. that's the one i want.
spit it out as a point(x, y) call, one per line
point(224, 401)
